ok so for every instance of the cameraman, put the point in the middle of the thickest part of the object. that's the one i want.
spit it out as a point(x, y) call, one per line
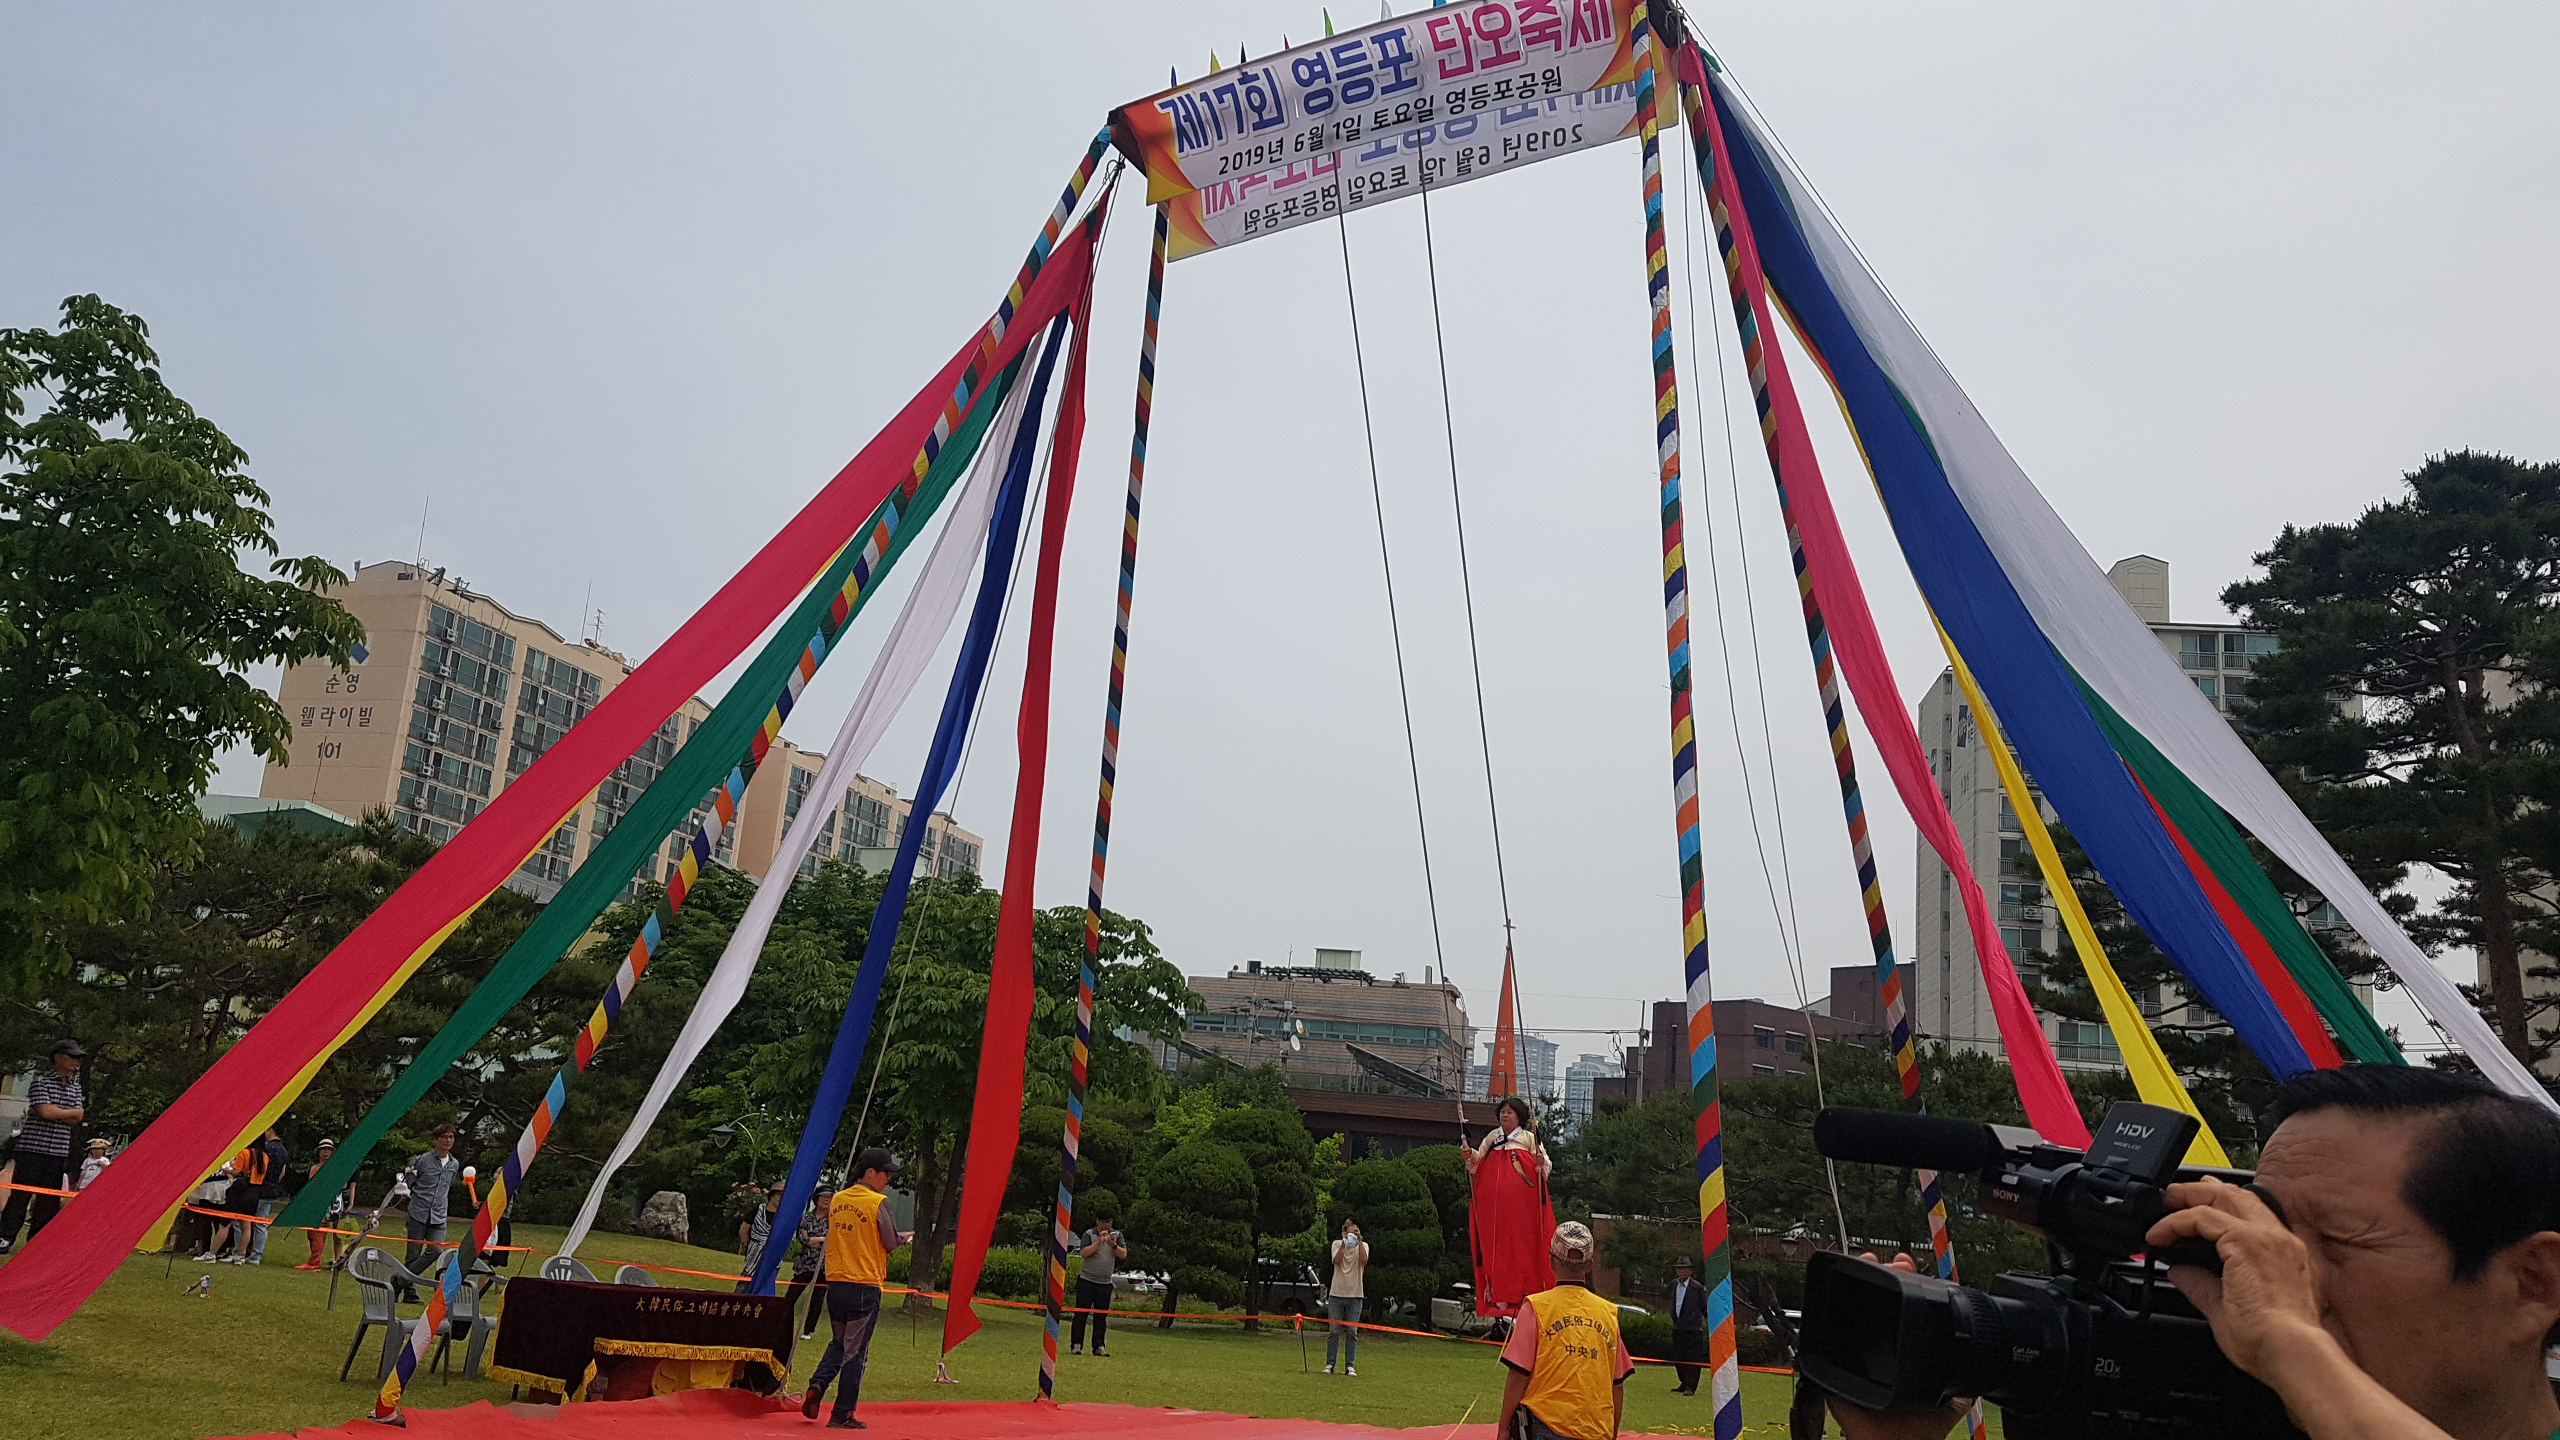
point(2410, 1285)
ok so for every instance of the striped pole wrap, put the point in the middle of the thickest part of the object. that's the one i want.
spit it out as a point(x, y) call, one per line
point(1062, 1231)
point(1715, 1227)
point(1906, 1060)
point(976, 374)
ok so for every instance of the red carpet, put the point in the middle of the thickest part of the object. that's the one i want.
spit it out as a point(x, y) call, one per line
point(741, 1416)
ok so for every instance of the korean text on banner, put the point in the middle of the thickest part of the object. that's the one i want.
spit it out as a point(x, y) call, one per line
point(1437, 64)
point(1393, 167)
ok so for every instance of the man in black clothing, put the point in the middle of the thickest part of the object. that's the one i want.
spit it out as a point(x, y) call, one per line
point(1688, 1326)
point(55, 1104)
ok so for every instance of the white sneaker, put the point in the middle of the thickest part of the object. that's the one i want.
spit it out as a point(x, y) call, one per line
point(1352, 1370)
point(206, 1258)
point(1328, 1369)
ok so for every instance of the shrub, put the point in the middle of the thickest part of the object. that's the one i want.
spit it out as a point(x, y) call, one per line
point(1392, 1202)
point(1760, 1347)
point(1012, 1273)
point(1648, 1334)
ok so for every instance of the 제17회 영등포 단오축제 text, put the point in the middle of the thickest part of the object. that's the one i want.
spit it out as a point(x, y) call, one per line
point(569, 1033)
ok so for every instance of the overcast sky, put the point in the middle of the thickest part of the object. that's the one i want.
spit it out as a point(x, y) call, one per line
point(606, 291)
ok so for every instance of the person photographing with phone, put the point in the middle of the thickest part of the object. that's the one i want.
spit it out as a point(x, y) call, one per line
point(1345, 1298)
point(1103, 1250)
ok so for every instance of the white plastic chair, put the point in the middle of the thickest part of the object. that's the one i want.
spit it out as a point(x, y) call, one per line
point(634, 1275)
point(566, 1267)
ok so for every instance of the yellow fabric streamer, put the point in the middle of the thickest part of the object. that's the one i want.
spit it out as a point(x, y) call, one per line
point(2153, 1079)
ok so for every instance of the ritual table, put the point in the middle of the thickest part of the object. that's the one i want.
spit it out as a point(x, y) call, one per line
point(567, 1337)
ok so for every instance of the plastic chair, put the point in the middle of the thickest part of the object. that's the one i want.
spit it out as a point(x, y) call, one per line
point(378, 1277)
point(466, 1320)
point(633, 1275)
point(566, 1267)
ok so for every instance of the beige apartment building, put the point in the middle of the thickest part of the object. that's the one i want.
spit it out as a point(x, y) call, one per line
point(454, 695)
point(1355, 1031)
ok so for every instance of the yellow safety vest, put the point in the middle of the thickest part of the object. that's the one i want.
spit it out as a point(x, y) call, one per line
point(854, 1251)
point(1574, 1385)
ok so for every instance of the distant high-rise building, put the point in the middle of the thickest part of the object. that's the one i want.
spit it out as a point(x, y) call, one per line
point(1577, 1082)
point(1951, 1002)
point(1480, 1081)
point(454, 696)
point(1538, 1068)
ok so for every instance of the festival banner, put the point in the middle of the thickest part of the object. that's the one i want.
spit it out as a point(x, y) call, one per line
point(1393, 167)
point(1346, 90)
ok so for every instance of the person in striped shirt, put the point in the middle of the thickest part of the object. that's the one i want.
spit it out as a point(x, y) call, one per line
point(55, 1104)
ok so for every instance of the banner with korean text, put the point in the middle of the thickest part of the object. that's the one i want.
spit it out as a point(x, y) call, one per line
point(1393, 167)
point(1346, 90)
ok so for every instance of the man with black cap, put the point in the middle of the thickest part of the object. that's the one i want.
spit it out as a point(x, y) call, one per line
point(860, 1236)
point(55, 1103)
point(1688, 1325)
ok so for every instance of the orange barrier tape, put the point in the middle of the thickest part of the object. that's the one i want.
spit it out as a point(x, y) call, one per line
point(38, 1189)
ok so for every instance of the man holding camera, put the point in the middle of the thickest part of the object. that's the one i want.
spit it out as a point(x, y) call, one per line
point(2404, 1282)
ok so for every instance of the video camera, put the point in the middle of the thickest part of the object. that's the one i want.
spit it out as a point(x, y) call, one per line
point(2103, 1347)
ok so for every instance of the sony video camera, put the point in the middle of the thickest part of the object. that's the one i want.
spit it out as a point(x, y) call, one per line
point(2103, 1347)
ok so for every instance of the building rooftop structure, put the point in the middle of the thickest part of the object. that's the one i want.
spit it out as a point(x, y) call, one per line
point(1414, 1035)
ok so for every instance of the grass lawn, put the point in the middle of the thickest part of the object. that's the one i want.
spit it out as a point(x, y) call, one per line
point(140, 1362)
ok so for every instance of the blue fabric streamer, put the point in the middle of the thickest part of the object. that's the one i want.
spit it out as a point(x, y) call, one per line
point(2025, 680)
point(950, 734)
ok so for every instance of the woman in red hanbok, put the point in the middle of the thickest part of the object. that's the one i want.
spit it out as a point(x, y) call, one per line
point(1511, 1218)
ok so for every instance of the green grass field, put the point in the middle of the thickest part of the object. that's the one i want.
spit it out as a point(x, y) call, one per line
point(140, 1362)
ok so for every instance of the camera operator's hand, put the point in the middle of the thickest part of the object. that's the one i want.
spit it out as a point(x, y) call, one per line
point(1860, 1423)
point(2265, 1311)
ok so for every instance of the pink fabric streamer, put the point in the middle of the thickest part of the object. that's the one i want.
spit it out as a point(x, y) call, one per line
point(1860, 651)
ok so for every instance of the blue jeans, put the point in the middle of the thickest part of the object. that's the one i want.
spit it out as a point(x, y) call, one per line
point(856, 1311)
point(1337, 1310)
point(258, 1233)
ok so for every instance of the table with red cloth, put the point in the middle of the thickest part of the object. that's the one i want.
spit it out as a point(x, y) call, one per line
point(564, 1336)
point(1511, 1220)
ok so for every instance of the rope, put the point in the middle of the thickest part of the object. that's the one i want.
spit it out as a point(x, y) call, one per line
point(1071, 1141)
point(1466, 588)
point(1386, 563)
point(1714, 1218)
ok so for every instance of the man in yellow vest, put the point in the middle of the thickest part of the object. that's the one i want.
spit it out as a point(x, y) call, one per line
point(1568, 1368)
point(860, 1236)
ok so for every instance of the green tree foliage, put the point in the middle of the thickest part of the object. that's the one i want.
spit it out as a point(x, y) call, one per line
point(1444, 1169)
point(1392, 1202)
point(2436, 612)
point(1195, 1223)
point(125, 620)
point(158, 997)
point(1278, 1150)
point(1640, 1161)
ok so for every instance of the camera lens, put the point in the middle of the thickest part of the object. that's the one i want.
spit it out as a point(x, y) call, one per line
point(1891, 1340)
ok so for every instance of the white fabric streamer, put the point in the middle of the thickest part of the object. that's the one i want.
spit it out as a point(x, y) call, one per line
point(2101, 637)
point(926, 618)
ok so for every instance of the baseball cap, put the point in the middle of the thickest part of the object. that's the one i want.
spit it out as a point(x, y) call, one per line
point(1572, 1243)
point(70, 1048)
point(326, 1145)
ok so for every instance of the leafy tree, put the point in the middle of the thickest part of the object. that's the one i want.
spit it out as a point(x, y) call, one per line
point(1392, 1202)
point(125, 620)
point(1195, 1223)
point(1277, 1148)
point(1444, 1169)
point(2436, 612)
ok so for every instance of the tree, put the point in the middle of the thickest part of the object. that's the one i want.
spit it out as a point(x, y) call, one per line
point(125, 621)
point(1278, 1150)
point(1195, 1223)
point(1392, 1202)
point(1444, 1169)
point(2436, 613)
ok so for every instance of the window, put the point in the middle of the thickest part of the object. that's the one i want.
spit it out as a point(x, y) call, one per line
point(2199, 652)
point(797, 785)
point(2210, 685)
point(1795, 1043)
point(869, 826)
point(1763, 1038)
point(1759, 1070)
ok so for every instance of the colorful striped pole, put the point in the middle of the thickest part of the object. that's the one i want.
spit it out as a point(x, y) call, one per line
point(1062, 1231)
point(1756, 360)
point(1715, 1228)
point(883, 532)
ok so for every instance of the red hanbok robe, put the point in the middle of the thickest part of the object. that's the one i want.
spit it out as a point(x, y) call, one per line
point(1510, 1224)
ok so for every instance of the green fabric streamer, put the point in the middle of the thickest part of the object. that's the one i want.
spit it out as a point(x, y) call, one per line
point(721, 744)
point(2218, 841)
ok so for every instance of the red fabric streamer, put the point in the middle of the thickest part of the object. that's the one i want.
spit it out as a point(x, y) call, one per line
point(55, 1272)
point(2046, 1095)
point(1510, 1222)
point(995, 1115)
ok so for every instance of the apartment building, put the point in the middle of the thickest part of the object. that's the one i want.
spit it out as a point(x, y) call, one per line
point(1355, 1031)
point(453, 695)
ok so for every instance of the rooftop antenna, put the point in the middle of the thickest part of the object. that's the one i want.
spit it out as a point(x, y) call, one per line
point(586, 611)
point(423, 507)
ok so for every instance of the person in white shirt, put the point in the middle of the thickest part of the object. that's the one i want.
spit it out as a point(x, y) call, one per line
point(1346, 1298)
point(97, 1162)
